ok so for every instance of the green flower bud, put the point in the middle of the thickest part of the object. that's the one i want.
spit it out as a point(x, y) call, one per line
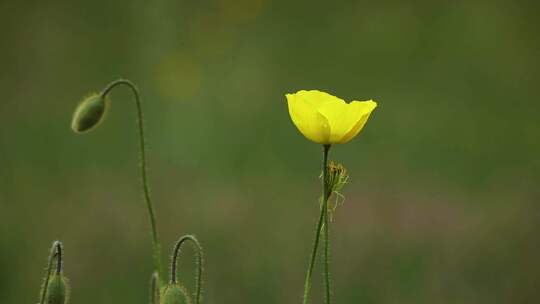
point(174, 293)
point(57, 290)
point(89, 113)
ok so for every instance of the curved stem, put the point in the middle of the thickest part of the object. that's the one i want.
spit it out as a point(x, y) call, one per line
point(322, 216)
point(55, 252)
point(151, 214)
point(59, 257)
point(198, 262)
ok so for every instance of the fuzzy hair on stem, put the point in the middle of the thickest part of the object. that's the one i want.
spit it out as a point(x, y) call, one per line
point(198, 264)
point(56, 251)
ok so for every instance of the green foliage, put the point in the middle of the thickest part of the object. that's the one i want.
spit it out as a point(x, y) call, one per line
point(452, 162)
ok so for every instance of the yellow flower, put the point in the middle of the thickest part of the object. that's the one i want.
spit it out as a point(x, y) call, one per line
point(327, 119)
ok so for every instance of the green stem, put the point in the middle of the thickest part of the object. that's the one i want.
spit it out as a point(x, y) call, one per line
point(154, 289)
point(322, 216)
point(326, 251)
point(55, 252)
point(149, 206)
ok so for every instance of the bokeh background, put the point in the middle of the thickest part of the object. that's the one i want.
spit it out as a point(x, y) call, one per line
point(442, 205)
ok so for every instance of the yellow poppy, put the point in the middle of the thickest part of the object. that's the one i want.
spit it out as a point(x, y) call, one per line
point(327, 119)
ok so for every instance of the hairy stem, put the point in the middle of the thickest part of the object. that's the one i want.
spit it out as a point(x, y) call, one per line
point(154, 289)
point(322, 216)
point(55, 252)
point(326, 252)
point(198, 263)
point(142, 146)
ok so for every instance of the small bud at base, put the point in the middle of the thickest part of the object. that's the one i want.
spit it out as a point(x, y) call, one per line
point(174, 294)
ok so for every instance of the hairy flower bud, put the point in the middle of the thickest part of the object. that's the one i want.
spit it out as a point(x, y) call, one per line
point(174, 293)
point(89, 113)
point(57, 290)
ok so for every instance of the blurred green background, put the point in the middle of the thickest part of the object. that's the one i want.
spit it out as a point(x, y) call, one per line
point(442, 205)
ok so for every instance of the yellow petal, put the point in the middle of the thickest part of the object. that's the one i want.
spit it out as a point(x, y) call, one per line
point(308, 120)
point(341, 116)
point(362, 110)
point(317, 99)
point(331, 107)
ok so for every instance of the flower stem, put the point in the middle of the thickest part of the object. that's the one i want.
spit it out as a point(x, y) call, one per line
point(151, 214)
point(322, 216)
point(198, 262)
point(154, 289)
point(326, 251)
point(55, 252)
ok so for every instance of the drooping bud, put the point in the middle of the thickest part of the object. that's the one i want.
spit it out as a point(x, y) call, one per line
point(89, 113)
point(174, 293)
point(57, 290)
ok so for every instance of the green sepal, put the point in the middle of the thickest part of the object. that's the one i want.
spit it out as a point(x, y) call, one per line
point(174, 293)
point(57, 290)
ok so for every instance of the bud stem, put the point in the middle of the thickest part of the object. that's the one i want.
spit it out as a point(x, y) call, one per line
point(198, 263)
point(59, 253)
point(154, 289)
point(322, 218)
point(55, 252)
point(326, 237)
point(142, 146)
